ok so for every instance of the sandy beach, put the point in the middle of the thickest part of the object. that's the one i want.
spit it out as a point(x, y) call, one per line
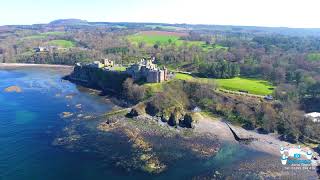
point(268, 143)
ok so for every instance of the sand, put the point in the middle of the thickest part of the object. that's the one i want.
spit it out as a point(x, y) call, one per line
point(268, 143)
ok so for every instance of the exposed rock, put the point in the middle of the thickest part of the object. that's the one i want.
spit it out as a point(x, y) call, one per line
point(16, 89)
point(69, 97)
point(137, 110)
point(133, 113)
point(87, 117)
point(175, 117)
point(165, 117)
point(66, 114)
point(188, 121)
point(79, 106)
point(107, 127)
point(151, 109)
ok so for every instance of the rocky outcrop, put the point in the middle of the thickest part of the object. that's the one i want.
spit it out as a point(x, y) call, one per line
point(137, 110)
point(16, 89)
point(188, 121)
point(98, 78)
point(174, 116)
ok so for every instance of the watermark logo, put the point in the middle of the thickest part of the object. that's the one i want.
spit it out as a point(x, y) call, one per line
point(296, 155)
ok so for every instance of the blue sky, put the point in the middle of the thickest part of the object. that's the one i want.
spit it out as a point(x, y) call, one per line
point(284, 13)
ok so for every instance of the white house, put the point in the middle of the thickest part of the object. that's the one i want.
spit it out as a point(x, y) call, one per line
point(314, 116)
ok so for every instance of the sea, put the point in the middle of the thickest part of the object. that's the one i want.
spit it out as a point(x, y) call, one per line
point(49, 108)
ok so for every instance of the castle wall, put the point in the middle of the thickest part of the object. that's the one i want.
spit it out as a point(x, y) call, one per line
point(152, 77)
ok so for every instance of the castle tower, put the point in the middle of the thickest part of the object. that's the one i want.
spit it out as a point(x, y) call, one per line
point(165, 70)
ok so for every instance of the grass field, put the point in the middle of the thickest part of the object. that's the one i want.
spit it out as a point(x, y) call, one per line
point(184, 77)
point(154, 87)
point(119, 68)
point(45, 35)
point(162, 37)
point(152, 39)
point(313, 57)
point(62, 43)
point(253, 86)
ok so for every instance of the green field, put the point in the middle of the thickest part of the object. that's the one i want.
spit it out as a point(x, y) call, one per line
point(45, 35)
point(154, 87)
point(62, 43)
point(163, 39)
point(313, 57)
point(184, 77)
point(151, 40)
point(253, 86)
point(119, 68)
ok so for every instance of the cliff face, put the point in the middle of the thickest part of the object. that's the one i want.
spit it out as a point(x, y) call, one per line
point(107, 81)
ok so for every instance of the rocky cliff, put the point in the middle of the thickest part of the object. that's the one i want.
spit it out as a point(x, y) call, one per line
point(107, 81)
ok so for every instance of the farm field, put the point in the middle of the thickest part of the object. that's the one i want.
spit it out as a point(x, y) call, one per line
point(62, 43)
point(313, 57)
point(165, 38)
point(153, 37)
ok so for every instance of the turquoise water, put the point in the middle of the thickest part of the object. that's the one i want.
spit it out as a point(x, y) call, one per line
point(30, 122)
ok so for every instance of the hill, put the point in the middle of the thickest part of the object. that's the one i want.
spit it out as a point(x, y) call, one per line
point(68, 22)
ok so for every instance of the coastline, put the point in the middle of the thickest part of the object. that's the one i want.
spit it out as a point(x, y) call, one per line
point(16, 65)
point(267, 143)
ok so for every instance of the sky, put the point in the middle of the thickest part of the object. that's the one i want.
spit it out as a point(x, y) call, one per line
point(271, 13)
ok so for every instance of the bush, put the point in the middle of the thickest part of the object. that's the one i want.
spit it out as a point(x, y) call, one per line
point(133, 92)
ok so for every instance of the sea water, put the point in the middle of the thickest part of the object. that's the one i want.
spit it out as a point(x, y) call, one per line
point(31, 121)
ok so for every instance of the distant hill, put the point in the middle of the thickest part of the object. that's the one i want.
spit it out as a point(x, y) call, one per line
point(69, 22)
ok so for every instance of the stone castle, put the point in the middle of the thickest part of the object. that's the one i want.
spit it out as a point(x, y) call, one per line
point(146, 69)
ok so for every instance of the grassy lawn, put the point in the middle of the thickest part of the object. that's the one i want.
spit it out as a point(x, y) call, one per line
point(62, 43)
point(184, 77)
point(119, 68)
point(154, 87)
point(253, 86)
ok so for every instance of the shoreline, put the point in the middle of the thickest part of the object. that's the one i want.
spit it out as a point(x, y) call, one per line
point(267, 143)
point(16, 65)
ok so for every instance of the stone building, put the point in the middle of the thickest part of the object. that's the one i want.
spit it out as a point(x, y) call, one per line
point(104, 63)
point(107, 63)
point(41, 49)
point(148, 70)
